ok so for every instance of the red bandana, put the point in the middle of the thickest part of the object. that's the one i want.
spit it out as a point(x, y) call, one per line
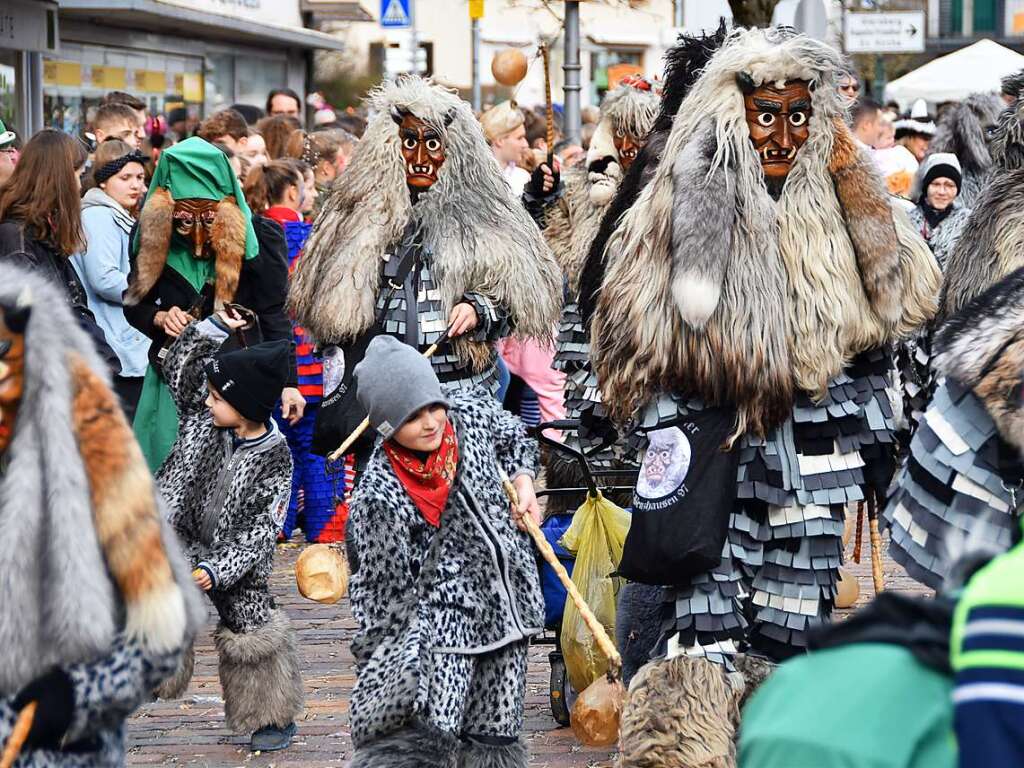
point(427, 482)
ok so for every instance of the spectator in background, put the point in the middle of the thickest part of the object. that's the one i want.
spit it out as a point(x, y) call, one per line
point(586, 134)
point(284, 102)
point(107, 220)
point(255, 152)
point(276, 132)
point(346, 146)
point(250, 112)
point(8, 153)
point(118, 121)
point(320, 151)
point(324, 118)
point(536, 131)
point(177, 121)
point(938, 216)
point(867, 122)
point(354, 124)
point(505, 130)
point(226, 127)
point(137, 105)
point(41, 221)
point(849, 83)
point(569, 153)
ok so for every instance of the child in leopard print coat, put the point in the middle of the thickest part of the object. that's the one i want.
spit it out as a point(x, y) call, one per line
point(444, 587)
point(228, 480)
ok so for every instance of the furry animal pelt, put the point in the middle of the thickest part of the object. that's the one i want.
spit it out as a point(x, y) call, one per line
point(91, 557)
point(572, 223)
point(174, 687)
point(626, 110)
point(637, 625)
point(992, 243)
point(476, 755)
point(680, 713)
point(260, 675)
point(409, 748)
point(982, 347)
point(156, 223)
point(481, 237)
point(683, 64)
point(713, 287)
point(963, 130)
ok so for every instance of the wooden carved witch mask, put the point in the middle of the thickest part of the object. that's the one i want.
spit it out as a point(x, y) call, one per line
point(628, 146)
point(777, 118)
point(193, 220)
point(12, 369)
point(423, 150)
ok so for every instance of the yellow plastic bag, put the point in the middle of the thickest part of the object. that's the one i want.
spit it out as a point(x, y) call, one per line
point(596, 537)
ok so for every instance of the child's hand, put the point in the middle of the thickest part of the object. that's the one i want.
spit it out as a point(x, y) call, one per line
point(528, 504)
point(202, 579)
point(234, 323)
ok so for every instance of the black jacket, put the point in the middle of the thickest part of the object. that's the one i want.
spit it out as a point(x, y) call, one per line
point(262, 287)
point(19, 249)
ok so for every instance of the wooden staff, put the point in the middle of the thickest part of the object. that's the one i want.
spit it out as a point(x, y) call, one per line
point(18, 735)
point(365, 423)
point(876, 545)
point(550, 112)
point(858, 540)
point(595, 626)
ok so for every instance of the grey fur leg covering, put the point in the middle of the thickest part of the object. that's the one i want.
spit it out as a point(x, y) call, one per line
point(409, 748)
point(637, 625)
point(174, 687)
point(259, 672)
point(680, 713)
point(477, 755)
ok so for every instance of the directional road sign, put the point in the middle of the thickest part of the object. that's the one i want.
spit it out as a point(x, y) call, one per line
point(394, 14)
point(893, 32)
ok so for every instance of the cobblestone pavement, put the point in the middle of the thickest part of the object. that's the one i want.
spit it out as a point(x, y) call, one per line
point(191, 731)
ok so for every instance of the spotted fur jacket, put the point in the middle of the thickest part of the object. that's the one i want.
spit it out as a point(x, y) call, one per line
point(227, 498)
point(485, 592)
point(943, 238)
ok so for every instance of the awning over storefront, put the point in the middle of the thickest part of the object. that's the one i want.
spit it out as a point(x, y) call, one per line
point(156, 16)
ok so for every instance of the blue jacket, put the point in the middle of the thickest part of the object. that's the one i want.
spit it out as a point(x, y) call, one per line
point(103, 269)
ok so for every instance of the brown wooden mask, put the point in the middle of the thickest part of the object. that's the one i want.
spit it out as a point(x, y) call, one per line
point(12, 370)
point(193, 220)
point(628, 146)
point(423, 151)
point(778, 121)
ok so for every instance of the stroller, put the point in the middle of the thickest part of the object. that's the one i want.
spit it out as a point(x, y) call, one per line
point(569, 495)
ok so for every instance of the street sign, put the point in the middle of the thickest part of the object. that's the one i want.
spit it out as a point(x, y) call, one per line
point(893, 32)
point(394, 14)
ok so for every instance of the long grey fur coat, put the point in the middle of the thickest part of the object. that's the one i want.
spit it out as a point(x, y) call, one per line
point(486, 593)
point(227, 502)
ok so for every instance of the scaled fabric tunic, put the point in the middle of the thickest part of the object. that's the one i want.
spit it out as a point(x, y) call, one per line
point(784, 544)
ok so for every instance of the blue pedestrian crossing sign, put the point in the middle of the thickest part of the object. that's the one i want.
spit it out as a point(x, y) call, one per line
point(394, 14)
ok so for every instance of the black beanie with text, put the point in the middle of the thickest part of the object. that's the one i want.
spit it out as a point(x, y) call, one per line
point(251, 379)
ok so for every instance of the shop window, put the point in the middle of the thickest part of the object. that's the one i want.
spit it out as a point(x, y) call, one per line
point(254, 79)
point(220, 81)
point(985, 16)
point(8, 92)
point(611, 61)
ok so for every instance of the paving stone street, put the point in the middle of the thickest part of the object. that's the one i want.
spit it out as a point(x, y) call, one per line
point(191, 731)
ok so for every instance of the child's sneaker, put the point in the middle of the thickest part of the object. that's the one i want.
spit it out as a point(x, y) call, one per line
point(270, 738)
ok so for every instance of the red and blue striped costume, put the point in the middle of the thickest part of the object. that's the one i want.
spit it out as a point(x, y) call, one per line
point(318, 503)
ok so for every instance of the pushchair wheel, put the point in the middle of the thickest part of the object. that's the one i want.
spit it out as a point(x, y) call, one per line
point(560, 689)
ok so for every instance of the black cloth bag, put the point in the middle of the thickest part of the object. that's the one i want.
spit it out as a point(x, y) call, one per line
point(683, 499)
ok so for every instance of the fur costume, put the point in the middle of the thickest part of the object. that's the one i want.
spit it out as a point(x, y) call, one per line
point(94, 583)
point(697, 304)
point(964, 130)
point(477, 239)
point(227, 504)
point(992, 243)
point(717, 293)
point(961, 485)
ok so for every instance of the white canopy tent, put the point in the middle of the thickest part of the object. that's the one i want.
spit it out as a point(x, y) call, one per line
point(978, 68)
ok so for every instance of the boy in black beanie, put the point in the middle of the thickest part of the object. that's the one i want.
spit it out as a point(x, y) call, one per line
point(228, 481)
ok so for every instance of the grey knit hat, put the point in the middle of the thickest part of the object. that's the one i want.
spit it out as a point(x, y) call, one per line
point(393, 382)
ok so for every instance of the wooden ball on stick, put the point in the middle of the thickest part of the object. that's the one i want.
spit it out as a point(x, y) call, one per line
point(509, 66)
point(321, 574)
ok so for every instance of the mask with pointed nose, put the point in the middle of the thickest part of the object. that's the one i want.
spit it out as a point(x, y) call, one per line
point(777, 118)
point(423, 151)
point(193, 220)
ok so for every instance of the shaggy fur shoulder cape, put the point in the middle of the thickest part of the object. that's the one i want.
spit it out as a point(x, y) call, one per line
point(992, 243)
point(481, 237)
point(85, 553)
point(982, 347)
point(715, 289)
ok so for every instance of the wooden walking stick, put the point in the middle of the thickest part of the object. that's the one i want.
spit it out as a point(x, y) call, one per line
point(365, 423)
point(549, 110)
point(876, 544)
point(858, 540)
point(18, 735)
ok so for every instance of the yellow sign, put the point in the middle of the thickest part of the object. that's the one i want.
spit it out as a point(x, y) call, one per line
point(61, 72)
point(1018, 23)
point(192, 87)
point(150, 81)
point(108, 78)
point(476, 9)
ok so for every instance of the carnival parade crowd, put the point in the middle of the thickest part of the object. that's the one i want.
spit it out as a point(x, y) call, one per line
point(772, 303)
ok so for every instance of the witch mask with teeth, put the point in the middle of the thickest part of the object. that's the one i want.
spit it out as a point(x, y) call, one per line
point(777, 116)
point(423, 150)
